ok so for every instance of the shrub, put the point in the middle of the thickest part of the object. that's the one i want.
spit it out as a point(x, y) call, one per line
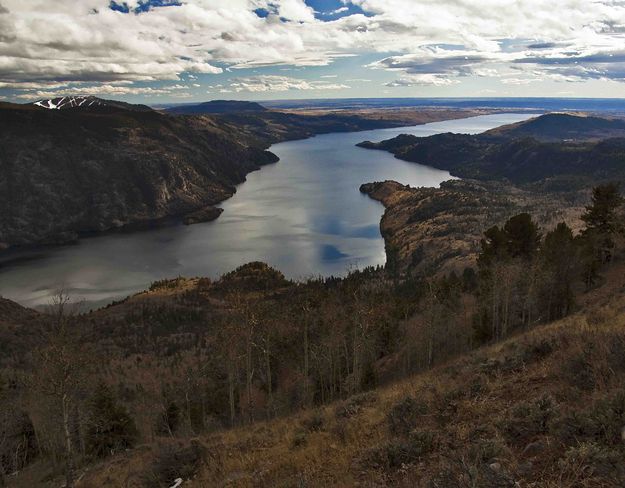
point(589, 461)
point(528, 419)
point(602, 422)
point(578, 371)
point(398, 452)
point(486, 450)
point(314, 422)
point(169, 420)
point(299, 439)
point(176, 461)
point(353, 405)
point(404, 415)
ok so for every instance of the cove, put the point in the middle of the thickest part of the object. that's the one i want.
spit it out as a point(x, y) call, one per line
point(303, 215)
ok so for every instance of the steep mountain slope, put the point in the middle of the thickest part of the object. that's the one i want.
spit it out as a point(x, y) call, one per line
point(438, 230)
point(70, 171)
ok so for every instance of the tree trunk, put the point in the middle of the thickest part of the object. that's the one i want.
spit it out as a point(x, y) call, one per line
point(231, 394)
point(69, 461)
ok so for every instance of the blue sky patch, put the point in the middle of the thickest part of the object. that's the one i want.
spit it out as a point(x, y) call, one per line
point(333, 9)
point(144, 5)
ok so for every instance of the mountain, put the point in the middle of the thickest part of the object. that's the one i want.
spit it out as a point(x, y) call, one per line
point(88, 168)
point(72, 171)
point(217, 107)
point(562, 126)
point(522, 153)
point(87, 103)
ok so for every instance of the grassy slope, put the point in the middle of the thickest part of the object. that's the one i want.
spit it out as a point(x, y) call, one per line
point(528, 410)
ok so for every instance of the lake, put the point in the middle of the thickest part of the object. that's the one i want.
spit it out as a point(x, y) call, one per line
point(303, 215)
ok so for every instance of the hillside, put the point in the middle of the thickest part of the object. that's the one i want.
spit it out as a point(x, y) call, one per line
point(438, 230)
point(514, 153)
point(91, 165)
point(216, 107)
point(543, 408)
point(68, 172)
point(561, 126)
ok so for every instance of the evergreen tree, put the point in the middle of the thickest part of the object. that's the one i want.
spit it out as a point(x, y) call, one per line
point(111, 428)
point(602, 221)
point(507, 277)
point(522, 236)
point(560, 257)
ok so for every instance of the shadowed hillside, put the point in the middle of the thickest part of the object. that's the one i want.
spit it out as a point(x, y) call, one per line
point(519, 154)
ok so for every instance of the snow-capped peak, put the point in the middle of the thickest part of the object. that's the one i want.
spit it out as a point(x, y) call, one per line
point(61, 103)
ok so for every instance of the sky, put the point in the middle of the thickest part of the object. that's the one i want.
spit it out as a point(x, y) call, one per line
point(179, 51)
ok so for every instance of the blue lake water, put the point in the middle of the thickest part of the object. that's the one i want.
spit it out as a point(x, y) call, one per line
point(303, 215)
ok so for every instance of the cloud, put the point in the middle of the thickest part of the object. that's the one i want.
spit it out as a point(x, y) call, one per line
point(264, 83)
point(104, 90)
point(423, 80)
point(435, 42)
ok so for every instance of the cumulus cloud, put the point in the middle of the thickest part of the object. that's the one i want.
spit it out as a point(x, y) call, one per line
point(176, 91)
point(435, 42)
point(423, 80)
point(264, 83)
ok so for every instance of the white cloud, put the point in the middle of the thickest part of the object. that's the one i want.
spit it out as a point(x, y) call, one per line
point(104, 90)
point(264, 83)
point(436, 42)
point(423, 80)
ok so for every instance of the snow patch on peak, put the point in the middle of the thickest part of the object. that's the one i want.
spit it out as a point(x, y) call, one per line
point(61, 103)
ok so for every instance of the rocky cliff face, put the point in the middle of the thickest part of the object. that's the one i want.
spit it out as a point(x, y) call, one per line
point(438, 230)
point(67, 172)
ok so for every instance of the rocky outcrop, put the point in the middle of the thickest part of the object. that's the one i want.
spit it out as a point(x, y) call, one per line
point(206, 214)
point(438, 230)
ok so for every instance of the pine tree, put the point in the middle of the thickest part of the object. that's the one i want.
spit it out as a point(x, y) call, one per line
point(602, 221)
point(560, 258)
point(111, 428)
point(522, 236)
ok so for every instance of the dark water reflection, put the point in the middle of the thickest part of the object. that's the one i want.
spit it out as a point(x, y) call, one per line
point(303, 215)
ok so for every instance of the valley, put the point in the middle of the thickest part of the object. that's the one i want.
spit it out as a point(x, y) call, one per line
point(303, 215)
point(312, 244)
point(456, 355)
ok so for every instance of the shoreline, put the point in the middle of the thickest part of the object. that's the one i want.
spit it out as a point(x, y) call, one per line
point(69, 238)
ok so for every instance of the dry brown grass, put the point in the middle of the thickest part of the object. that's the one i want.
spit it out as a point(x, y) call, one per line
point(540, 409)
